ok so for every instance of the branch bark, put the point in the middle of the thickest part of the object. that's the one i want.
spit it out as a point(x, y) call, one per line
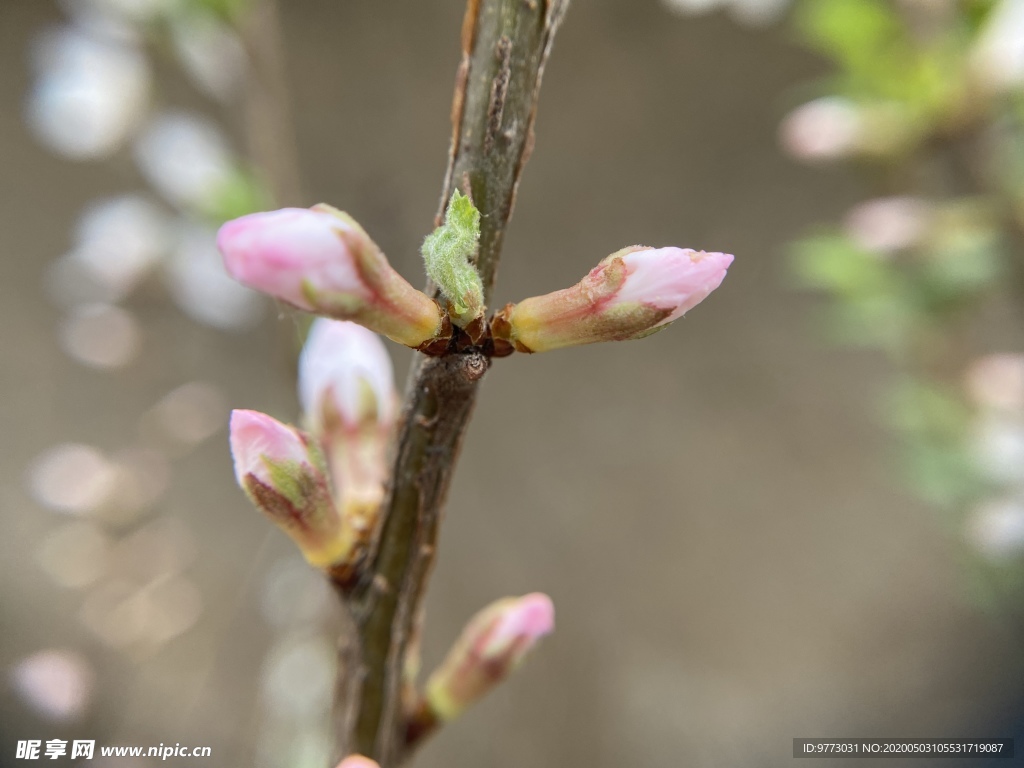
point(505, 45)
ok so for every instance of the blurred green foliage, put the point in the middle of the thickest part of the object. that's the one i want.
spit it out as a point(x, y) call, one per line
point(940, 129)
point(228, 10)
point(242, 193)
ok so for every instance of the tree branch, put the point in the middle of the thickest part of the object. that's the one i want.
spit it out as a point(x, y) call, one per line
point(505, 45)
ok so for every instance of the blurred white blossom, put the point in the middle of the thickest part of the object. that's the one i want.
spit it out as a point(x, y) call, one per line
point(188, 414)
point(143, 475)
point(186, 158)
point(174, 605)
point(295, 727)
point(996, 528)
point(72, 478)
point(89, 19)
point(124, 11)
point(824, 129)
point(998, 57)
point(298, 679)
point(999, 447)
point(161, 548)
point(56, 684)
point(101, 335)
point(123, 614)
point(888, 224)
point(90, 93)
point(210, 52)
point(285, 743)
point(146, 600)
point(202, 288)
point(293, 594)
point(70, 283)
point(745, 11)
point(117, 242)
point(75, 554)
point(996, 381)
point(120, 239)
point(694, 6)
point(113, 615)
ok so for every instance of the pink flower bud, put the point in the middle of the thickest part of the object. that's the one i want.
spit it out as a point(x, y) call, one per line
point(345, 377)
point(491, 646)
point(357, 761)
point(260, 442)
point(346, 387)
point(282, 473)
point(629, 295)
point(320, 260)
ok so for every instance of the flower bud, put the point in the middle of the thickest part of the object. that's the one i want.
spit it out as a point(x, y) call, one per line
point(320, 260)
point(345, 378)
point(357, 761)
point(282, 473)
point(346, 387)
point(629, 295)
point(491, 646)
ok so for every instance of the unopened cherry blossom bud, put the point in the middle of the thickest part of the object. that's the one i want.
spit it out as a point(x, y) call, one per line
point(629, 295)
point(491, 646)
point(357, 761)
point(346, 379)
point(346, 387)
point(320, 260)
point(282, 473)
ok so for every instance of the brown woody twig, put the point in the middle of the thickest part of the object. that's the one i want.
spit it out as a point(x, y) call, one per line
point(505, 45)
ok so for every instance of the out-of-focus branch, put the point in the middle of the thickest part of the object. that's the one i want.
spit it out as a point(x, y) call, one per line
point(269, 131)
point(505, 45)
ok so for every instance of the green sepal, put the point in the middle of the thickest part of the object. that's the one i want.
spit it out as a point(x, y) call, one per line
point(291, 480)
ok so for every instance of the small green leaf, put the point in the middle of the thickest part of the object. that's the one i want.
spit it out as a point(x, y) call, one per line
point(240, 193)
point(447, 253)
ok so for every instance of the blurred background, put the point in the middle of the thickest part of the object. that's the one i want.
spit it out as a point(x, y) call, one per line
point(745, 539)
